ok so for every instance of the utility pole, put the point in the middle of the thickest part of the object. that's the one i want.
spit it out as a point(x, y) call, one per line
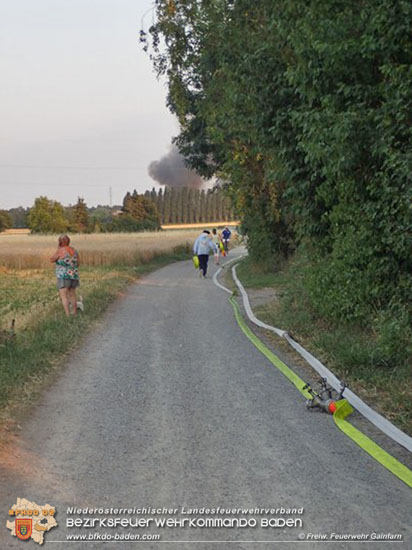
point(110, 197)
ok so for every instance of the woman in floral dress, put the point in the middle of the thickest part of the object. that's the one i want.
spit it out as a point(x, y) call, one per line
point(67, 273)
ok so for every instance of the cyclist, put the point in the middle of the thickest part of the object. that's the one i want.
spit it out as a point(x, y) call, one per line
point(226, 234)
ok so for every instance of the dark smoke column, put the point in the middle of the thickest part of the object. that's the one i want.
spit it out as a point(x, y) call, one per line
point(171, 170)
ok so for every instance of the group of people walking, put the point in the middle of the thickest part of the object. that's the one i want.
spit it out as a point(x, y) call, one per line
point(66, 260)
point(206, 243)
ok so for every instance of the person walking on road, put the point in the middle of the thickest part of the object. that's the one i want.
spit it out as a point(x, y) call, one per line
point(202, 247)
point(226, 234)
point(216, 241)
point(67, 273)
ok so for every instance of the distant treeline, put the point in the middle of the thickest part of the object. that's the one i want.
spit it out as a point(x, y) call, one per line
point(139, 212)
point(184, 205)
point(61, 216)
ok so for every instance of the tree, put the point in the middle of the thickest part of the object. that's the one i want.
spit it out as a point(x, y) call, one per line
point(160, 204)
point(303, 110)
point(196, 199)
point(190, 207)
point(166, 205)
point(223, 63)
point(47, 216)
point(153, 195)
point(139, 213)
point(5, 220)
point(202, 206)
point(208, 212)
point(124, 223)
point(173, 205)
point(99, 218)
point(19, 216)
point(80, 217)
point(180, 205)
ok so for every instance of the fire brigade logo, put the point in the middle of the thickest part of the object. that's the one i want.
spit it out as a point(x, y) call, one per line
point(23, 528)
point(28, 520)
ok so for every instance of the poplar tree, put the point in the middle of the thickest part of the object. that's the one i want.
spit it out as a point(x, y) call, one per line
point(197, 216)
point(173, 205)
point(190, 210)
point(202, 206)
point(159, 204)
point(166, 205)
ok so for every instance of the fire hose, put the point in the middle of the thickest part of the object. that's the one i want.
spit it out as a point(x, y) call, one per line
point(339, 408)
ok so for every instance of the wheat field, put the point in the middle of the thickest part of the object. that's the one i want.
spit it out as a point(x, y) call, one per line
point(27, 282)
point(99, 249)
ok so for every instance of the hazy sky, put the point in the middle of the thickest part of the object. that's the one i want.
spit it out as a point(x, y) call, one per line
point(80, 107)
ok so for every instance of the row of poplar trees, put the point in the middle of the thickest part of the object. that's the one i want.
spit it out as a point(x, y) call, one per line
point(304, 108)
point(186, 205)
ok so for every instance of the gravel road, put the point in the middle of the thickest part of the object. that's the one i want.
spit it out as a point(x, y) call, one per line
point(167, 404)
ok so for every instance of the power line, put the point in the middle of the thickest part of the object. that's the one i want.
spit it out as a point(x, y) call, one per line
point(60, 167)
point(54, 184)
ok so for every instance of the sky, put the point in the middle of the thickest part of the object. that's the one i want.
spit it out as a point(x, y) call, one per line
point(81, 110)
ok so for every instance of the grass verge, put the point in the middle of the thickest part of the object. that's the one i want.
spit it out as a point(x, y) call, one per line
point(349, 350)
point(28, 360)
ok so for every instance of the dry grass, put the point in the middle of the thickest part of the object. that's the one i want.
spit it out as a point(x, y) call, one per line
point(13, 231)
point(103, 249)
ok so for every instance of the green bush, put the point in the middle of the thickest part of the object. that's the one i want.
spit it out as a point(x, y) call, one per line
point(125, 223)
point(393, 336)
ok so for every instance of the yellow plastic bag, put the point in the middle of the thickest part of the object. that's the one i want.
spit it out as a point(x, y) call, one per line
point(196, 261)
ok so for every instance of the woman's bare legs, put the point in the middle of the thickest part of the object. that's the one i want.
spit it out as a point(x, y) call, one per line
point(64, 296)
point(73, 299)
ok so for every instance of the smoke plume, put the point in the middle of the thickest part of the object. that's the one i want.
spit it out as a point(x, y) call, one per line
point(171, 170)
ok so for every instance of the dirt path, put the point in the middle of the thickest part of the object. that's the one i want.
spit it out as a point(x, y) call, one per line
point(167, 404)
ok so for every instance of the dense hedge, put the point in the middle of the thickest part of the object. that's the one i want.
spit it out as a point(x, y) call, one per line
point(304, 108)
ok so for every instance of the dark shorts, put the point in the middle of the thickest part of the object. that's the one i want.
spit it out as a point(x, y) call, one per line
point(67, 283)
